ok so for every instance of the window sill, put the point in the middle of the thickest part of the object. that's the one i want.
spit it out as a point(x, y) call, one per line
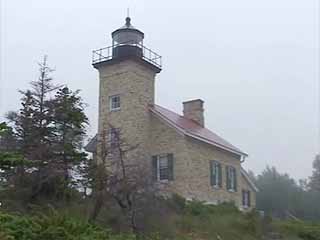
point(216, 187)
point(163, 181)
point(231, 190)
point(115, 110)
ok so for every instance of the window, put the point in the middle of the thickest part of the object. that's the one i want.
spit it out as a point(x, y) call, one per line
point(113, 136)
point(114, 102)
point(246, 201)
point(162, 167)
point(215, 174)
point(231, 175)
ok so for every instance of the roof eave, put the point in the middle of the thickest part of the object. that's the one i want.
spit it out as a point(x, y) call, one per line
point(246, 176)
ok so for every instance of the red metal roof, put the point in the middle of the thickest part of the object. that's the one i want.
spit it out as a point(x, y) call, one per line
point(192, 129)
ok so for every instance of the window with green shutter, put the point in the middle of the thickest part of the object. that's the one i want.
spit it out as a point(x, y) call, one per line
point(246, 201)
point(215, 174)
point(162, 167)
point(231, 178)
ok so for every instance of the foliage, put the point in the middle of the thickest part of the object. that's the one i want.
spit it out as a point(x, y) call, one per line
point(315, 178)
point(8, 156)
point(69, 125)
point(183, 220)
point(305, 230)
point(280, 196)
point(48, 133)
point(223, 221)
point(52, 227)
point(122, 176)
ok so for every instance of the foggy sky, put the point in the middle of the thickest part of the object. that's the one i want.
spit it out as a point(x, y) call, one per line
point(254, 63)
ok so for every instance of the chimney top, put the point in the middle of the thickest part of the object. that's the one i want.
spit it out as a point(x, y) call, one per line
point(193, 110)
point(193, 100)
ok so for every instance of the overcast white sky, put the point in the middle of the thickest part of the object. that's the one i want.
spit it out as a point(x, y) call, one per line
point(254, 63)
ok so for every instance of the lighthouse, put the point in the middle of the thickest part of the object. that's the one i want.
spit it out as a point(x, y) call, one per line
point(127, 71)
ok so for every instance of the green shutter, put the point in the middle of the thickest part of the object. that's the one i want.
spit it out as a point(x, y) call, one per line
point(170, 165)
point(212, 181)
point(235, 179)
point(243, 197)
point(227, 178)
point(154, 168)
point(220, 175)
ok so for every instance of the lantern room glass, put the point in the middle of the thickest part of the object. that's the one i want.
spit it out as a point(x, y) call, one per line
point(127, 37)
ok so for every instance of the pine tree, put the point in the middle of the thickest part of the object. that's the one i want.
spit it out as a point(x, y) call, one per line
point(9, 156)
point(315, 178)
point(24, 133)
point(42, 112)
point(49, 130)
point(69, 129)
point(33, 126)
point(11, 160)
point(24, 125)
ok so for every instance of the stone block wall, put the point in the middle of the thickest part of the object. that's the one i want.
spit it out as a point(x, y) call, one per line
point(192, 166)
point(134, 83)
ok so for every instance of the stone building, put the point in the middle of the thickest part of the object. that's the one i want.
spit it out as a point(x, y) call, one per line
point(183, 156)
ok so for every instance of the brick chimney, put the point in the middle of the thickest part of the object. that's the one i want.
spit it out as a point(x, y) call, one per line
point(193, 110)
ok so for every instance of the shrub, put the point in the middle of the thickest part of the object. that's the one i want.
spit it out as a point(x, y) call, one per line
point(52, 227)
point(305, 230)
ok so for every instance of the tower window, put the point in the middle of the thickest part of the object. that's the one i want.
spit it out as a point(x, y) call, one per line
point(114, 102)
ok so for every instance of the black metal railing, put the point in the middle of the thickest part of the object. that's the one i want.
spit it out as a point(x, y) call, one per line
point(108, 53)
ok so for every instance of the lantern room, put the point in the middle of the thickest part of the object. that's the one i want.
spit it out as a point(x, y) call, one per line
point(127, 41)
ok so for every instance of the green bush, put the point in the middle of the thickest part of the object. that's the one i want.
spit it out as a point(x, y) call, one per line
point(52, 227)
point(304, 230)
point(224, 221)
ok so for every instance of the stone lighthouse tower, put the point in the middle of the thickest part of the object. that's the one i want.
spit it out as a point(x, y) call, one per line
point(127, 71)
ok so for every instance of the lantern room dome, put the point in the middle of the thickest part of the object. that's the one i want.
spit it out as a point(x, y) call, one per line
point(127, 34)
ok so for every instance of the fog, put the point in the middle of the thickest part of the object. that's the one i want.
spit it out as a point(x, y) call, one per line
point(254, 63)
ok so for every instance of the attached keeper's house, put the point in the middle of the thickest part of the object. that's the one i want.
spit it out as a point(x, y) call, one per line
point(183, 156)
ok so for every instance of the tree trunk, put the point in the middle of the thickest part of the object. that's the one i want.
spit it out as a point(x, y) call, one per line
point(98, 203)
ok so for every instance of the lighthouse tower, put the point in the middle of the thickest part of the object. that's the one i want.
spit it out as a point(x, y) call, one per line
point(127, 71)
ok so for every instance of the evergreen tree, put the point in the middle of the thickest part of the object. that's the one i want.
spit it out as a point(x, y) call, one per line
point(42, 113)
point(315, 178)
point(24, 125)
point(69, 129)
point(10, 158)
point(24, 134)
point(276, 192)
point(279, 195)
point(49, 131)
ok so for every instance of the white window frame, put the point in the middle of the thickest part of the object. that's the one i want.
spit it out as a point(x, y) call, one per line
point(111, 103)
point(158, 167)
